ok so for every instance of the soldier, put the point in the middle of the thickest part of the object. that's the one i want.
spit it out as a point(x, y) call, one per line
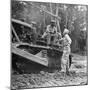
point(57, 38)
point(50, 33)
point(34, 35)
point(66, 52)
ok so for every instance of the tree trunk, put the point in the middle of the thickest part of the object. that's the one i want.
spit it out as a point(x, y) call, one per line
point(58, 26)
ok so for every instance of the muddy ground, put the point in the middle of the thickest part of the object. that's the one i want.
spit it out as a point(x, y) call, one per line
point(78, 76)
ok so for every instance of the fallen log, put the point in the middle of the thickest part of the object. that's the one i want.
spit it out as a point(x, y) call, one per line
point(21, 23)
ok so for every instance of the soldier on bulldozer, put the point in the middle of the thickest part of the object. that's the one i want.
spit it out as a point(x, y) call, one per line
point(51, 33)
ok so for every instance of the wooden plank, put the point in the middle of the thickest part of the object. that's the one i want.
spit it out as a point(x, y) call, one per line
point(52, 83)
point(31, 57)
point(66, 18)
point(55, 82)
point(22, 23)
point(51, 10)
point(15, 33)
point(58, 26)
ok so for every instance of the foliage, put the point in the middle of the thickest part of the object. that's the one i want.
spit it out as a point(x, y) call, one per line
point(73, 16)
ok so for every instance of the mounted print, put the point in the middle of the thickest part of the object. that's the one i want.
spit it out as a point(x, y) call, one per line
point(48, 44)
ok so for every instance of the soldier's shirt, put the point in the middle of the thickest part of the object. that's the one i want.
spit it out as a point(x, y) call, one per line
point(51, 29)
point(65, 58)
point(67, 40)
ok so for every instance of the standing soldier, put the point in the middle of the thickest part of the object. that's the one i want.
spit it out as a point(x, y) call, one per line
point(66, 52)
point(34, 35)
point(50, 33)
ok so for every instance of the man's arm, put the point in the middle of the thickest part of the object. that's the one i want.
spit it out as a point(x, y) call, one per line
point(68, 39)
point(46, 32)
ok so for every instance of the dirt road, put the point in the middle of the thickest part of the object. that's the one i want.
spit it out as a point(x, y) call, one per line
point(78, 76)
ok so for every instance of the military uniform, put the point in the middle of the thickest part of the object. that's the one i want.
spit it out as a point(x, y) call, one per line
point(34, 33)
point(50, 34)
point(65, 58)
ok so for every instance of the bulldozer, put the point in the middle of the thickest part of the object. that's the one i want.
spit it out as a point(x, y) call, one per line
point(33, 54)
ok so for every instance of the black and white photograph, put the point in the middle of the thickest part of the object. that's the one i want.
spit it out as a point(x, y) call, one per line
point(49, 44)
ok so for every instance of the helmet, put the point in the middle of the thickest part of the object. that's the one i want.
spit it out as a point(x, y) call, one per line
point(66, 31)
point(53, 21)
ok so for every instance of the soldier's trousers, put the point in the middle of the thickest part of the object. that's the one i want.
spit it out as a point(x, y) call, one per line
point(65, 59)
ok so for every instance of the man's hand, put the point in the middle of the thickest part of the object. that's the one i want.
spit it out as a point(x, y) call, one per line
point(60, 40)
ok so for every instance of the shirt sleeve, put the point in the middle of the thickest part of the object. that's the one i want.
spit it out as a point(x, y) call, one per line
point(68, 39)
point(55, 29)
point(47, 30)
